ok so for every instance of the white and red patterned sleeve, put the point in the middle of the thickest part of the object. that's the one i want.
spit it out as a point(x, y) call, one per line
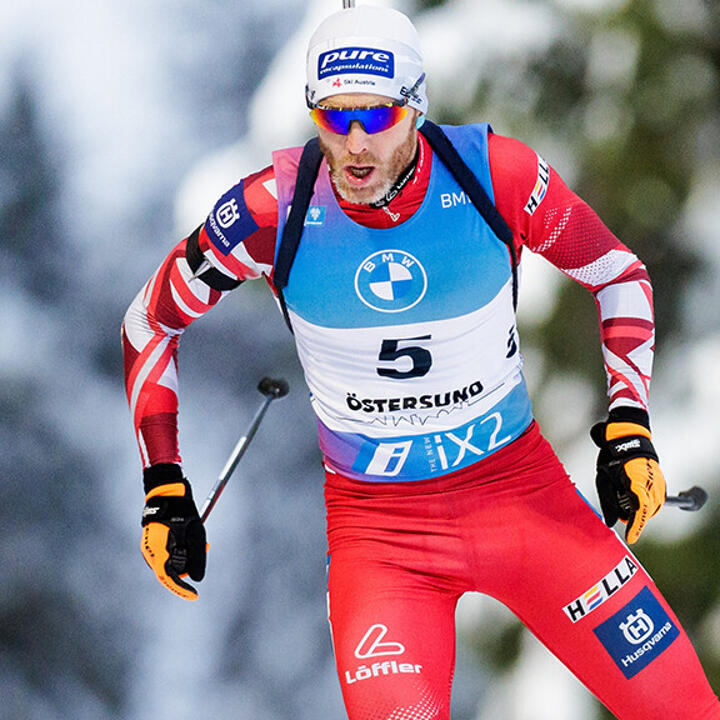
point(238, 240)
point(548, 218)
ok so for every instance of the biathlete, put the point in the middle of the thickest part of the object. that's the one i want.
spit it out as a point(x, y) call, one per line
point(392, 246)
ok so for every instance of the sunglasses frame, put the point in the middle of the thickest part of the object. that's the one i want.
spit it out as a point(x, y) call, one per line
point(402, 105)
point(394, 103)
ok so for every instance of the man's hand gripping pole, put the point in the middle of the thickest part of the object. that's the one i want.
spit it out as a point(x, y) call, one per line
point(630, 484)
point(271, 389)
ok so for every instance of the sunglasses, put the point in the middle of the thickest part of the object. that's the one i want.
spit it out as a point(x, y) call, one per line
point(373, 119)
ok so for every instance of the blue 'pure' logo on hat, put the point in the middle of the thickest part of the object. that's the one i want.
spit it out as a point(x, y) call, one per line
point(363, 60)
point(638, 633)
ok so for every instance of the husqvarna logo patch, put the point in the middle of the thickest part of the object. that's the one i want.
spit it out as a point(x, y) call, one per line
point(227, 213)
point(390, 281)
point(638, 627)
point(636, 634)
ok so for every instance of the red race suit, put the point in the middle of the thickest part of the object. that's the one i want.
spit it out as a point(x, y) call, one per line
point(511, 525)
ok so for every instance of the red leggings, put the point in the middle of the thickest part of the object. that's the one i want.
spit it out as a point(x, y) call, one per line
point(514, 527)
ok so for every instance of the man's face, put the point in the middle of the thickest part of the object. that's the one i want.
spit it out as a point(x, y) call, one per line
point(364, 167)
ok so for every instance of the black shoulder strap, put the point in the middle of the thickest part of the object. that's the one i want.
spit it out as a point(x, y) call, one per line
point(307, 174)
point(212, 276)
point(467, 180)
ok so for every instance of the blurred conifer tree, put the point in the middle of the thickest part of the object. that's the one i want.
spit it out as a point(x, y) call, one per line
point(57, 649)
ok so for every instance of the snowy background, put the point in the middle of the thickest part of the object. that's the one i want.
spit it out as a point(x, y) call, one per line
point(120, 124)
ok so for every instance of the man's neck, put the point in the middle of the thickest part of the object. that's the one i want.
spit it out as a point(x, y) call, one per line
point(405, 200)
point(400, 182)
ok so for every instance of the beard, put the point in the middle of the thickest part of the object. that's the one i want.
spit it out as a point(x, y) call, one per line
point(386, 172)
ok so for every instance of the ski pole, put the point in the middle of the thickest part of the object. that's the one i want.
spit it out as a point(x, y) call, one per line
point(691, 500)
point(271, 389)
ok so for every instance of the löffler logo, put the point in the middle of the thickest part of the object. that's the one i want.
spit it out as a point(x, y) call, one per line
point(372, 644)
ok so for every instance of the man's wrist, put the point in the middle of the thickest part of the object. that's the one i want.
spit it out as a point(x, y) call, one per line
point(630, 414)
point(161, 474)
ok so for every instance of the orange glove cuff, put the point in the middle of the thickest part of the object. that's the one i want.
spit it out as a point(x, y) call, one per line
point(169, 490)
point(615, 430)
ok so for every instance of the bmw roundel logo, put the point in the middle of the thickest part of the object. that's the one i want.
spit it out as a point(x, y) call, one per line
point(390, 281)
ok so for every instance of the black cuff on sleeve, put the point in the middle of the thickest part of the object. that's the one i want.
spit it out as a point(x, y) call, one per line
point(161, 474)
point(630, 414)
point(195, 258)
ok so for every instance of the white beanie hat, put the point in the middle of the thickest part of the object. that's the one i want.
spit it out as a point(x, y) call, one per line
point(366, 49)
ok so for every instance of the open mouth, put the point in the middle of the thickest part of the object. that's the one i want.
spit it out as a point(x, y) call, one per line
point(358, 173)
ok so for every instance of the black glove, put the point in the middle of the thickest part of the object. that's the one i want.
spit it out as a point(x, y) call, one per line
point(630, 484)
point(173, 540)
